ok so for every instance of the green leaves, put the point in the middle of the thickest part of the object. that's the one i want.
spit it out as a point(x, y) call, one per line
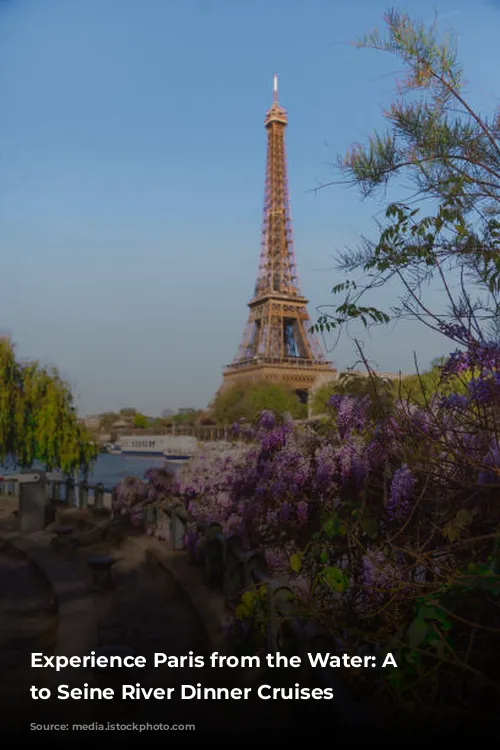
point(369, 525)
point(449, 156)
point(335, 578)
point(454, 528)
point(417, 633)
point(250, 603)
point(344, 286)
point(324, 557)
point(248, 399)
point(431, 627)
point(481, 576)
point(349, 311)
point(333, 527)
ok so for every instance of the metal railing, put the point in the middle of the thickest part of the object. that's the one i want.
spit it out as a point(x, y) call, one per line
point(277, 361)
point(202, 432)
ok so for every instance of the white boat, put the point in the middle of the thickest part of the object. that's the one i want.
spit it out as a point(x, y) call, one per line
point(175, 448)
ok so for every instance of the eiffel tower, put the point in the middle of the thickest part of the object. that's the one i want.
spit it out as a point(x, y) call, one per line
point(277, 345)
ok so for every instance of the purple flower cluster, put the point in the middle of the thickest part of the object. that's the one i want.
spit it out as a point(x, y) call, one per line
point(159, 484)
point(454, 401)
point(402, 488)
point(287, 475)
point(285, 512)
point(490, 473)
point(215, 483)
point(274, 440)
point(129, 492)
point(479, 355)
point(302, 511)
point(376, 451)
point(455, 331)
point(485, 388)
point(422, 420)
point(353, 462)
point(267, 420)
point(351, 413)
point(326, 466)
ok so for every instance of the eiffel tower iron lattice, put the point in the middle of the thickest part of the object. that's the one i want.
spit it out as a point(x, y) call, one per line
point(277, 345)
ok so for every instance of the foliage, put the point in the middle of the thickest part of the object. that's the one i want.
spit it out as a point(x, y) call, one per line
point(320, 398)
point(38, 421)
point(451, 157)
point(382, 393)
point(246, 399)
point(379, 391)
point(422, 387)
point(140, 421)
point(187, 418)
point(157, 423)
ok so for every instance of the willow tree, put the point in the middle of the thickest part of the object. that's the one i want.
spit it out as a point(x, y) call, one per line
point(446, 230)
point(38, 420)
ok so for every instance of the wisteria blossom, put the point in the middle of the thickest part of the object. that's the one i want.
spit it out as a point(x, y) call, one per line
point(402, 488)
point(490, 472)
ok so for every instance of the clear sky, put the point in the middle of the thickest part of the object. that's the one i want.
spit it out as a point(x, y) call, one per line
point(132, 153)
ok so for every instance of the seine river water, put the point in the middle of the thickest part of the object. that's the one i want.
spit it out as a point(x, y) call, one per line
point(110, 469)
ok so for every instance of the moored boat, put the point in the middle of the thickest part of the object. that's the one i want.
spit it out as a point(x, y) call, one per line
point(175, 448)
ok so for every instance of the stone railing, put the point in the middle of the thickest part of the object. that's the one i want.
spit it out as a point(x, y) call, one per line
point(41, 493)
point(67, 491)
point(167, 524)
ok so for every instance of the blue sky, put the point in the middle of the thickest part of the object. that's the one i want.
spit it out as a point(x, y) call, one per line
point(132, 153)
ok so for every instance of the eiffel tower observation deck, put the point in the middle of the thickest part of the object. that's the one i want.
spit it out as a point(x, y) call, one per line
point(277, 345)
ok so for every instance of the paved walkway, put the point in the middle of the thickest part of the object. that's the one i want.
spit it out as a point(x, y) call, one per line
point(148, 613)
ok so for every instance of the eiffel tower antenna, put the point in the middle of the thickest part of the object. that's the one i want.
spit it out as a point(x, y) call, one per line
point(277, 344)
